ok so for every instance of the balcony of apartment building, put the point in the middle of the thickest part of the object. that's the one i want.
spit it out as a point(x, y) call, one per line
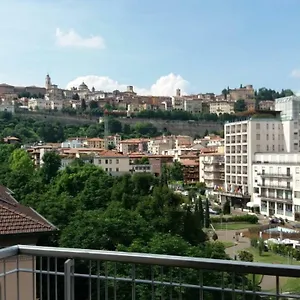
point(63, 273)
point(271, 174)
point(279, 209)
point(276, 195)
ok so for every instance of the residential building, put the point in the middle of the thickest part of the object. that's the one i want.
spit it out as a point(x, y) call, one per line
point(133, 145)
point(221, 107)
point(160, 144)
point(96, 143)
point(20, 225)
point(212, 170)
point(276, 184)
point(190, 170)
point(113, 162)
point(266, 105)
point(260, 133)
point(193, 106)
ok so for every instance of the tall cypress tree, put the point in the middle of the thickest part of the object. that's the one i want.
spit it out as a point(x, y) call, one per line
point(207, 218)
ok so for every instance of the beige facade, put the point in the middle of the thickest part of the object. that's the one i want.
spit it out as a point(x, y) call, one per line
point(113, 162)
point(221, 107)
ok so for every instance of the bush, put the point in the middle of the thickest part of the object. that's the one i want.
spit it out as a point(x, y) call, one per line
point(252, 219)
point(254, 242)
point(246, 256)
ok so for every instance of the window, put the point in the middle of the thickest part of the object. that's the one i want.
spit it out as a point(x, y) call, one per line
point(273, 136)
point(117, 169)
point(257, 136)
point(110, 161)
point(110, 169)
point(273, 126)
point(117, 161)
point(257, 126)
point(297, 170)
point(106, 161)
point(273, 147)
point(267, 137)
point(256, 190)
point(99, 161)
point(267, 126)
point(297, 194)
point(267, 147)
point(106, 169)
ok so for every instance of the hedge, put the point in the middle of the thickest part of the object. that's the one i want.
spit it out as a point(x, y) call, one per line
point(252, 219)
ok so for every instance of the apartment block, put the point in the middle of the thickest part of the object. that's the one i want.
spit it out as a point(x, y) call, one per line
point(212, 170)
point(276, 184)
point(260, 133)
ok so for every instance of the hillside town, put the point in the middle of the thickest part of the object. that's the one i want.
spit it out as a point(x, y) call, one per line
point(51, 97)
point(255, 165)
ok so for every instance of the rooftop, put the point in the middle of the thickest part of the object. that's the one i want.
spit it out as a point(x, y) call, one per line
point(17, 218)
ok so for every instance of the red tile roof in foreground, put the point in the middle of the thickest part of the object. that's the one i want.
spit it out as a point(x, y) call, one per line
point(16, 218)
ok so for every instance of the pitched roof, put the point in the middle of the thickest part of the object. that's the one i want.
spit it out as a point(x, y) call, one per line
point(16, 218)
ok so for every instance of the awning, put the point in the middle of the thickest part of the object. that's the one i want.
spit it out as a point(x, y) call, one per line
point(252, 205)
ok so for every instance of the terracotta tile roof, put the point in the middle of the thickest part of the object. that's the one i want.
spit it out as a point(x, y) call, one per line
point(16, 218)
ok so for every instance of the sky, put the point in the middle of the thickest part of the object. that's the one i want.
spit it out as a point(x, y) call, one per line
point(157, 46)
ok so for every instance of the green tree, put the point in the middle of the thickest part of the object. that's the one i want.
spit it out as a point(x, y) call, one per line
point(207, 216)
point(240, 105)
point(176, 171)
point(226, 208)
point(20, 161)
point(83, 104)
point(51, 164)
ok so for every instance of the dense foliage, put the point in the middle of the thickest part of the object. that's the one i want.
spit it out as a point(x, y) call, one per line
point(130, 213)
point(31, 130)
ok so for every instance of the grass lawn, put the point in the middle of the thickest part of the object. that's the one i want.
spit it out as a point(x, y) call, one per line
point(286, 284)
point(233, 226)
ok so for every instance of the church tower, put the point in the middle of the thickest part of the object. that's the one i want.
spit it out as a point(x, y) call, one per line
point(48, 83)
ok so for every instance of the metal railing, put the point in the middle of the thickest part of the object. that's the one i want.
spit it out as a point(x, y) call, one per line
point(79, 274)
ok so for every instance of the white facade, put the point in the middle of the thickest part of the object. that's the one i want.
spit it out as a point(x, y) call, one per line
point(276, 184)
point(212, 171)
point(242, 140)
point(289, 107)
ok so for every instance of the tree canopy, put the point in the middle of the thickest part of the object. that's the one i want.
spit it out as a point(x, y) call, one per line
point(95, 210)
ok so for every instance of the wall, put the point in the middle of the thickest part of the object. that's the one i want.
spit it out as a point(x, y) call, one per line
point(175, 127)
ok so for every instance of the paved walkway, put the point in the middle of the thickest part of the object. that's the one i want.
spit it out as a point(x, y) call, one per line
point(268, 282)
point(227, 236)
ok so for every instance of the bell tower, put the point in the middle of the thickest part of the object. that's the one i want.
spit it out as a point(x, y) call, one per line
point(48, 83)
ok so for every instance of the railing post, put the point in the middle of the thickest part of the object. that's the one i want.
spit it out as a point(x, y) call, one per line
point(69, 279)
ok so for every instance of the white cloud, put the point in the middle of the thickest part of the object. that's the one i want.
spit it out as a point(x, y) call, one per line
point(72, 39)
point(295, 73)
point(164, 86)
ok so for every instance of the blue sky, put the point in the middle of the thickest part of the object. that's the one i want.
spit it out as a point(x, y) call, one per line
point(210, 44)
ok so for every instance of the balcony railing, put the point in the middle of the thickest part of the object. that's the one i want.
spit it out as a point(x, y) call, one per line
point(272, 186)
point(275, 198)
point(31, 272)
point(275, 175)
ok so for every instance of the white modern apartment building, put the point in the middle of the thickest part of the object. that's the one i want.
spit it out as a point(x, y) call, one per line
point(242, 140)
point(276, 184)
point(290, 116)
